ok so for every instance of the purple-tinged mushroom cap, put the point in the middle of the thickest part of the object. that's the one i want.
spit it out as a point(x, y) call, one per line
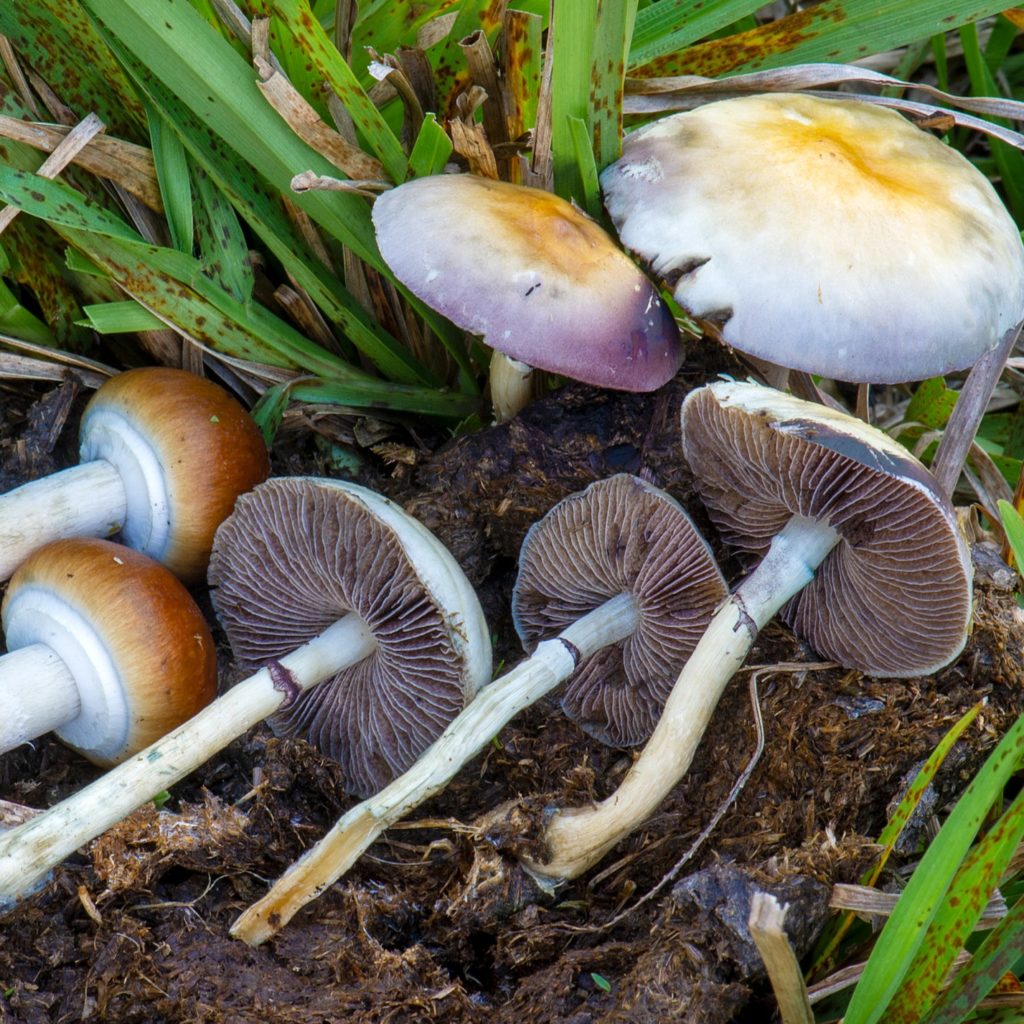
point(536, 278)
point(620, 535)
point(830, 236)
point(893, 597)
point(297, 555)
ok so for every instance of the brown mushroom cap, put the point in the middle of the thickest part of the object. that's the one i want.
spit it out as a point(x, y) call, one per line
point(298, 554)
point(620, 535)
point(535, 277)
point(103, 605)
point(205, 445)
point(830, 236)
point(893, 598)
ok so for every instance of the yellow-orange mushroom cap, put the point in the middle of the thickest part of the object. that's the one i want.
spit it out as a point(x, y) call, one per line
point(134, 642)
point(185, 450)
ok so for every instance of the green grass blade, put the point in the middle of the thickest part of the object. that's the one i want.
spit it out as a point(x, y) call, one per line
point(431, 150)
point(1013, 524)
point(613, 32)
point(969, 892)
point(586, 167)
point(171, 164)
point(220, 240)
point(999, 952)
point(1010, 161)
point(906, 928)
point(571, 60)
point(17, 322)
point(836, 31)
point(393, 397)
point(121, 318)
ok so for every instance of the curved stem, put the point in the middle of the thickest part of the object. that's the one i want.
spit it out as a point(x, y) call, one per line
point(28, 852)
point(83, 501)
point(494, 706)
point(38, 694)
point(577, 838)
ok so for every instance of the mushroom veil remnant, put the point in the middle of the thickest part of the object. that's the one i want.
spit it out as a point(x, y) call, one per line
point(857, 544)
point(830, 236)
point(537, 279)
point(319, 583)
point(164, 454)
point(106, 648)
point(615, 587)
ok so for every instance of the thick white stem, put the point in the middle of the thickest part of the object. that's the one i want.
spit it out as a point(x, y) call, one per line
point(28, 852)
point(38, 693)
point(83, 501)
point(577, 838)
point(511, 386)
point(494, 706)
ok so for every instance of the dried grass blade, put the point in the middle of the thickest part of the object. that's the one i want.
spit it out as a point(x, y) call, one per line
point(124, 163)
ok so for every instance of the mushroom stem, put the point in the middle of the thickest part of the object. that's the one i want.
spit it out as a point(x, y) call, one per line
point(84, 501)
point(577, 838)
point(38, 693)
point(511, 386)
point(28, 852)
point(495, 705)
point(970, 407)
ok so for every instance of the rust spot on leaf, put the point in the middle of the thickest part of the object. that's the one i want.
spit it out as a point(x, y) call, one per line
point(749, 50)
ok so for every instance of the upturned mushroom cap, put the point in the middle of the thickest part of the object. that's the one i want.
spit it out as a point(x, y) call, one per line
point(185, 450)
point(140, 650)
point(299, 553)
point(893, 598)
point(531, 274)
point(830, 236)
point(620, 535)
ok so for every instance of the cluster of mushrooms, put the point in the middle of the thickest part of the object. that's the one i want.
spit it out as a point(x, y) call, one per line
point(359, 629)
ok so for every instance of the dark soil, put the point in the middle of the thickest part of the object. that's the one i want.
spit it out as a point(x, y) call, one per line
point(437, 922)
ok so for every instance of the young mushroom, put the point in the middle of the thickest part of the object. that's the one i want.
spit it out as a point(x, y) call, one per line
point(380, 616)
point(164, 454)
point(857, 545)
point(830, 236)
point(106, 648)
point(540, 281)
point(614, 589)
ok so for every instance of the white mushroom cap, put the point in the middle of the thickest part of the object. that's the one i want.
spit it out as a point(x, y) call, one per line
point(830, 236)
point(533, 275)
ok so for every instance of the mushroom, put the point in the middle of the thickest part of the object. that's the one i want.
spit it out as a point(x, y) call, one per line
point(374, 600)
point(164, 454)
point(856, 540)
point(615, 587)
point(829, 236)
point(105, 647)
point(540, 281)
